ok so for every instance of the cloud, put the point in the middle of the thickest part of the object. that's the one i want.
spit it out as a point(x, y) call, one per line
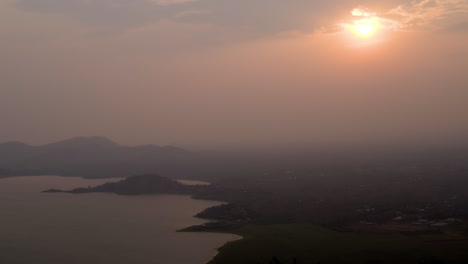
point(264, 17)
point(111, 13)
point(362, 17)
point(458, 27)
point(190, 13)
point(255, 16)
point(358, 12)
point(428, 14)
point(172, 2)
point(409, 16)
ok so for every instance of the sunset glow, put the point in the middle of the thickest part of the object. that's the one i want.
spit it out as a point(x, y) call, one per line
point(365, 27)
point(365, 23)
point(310, 131)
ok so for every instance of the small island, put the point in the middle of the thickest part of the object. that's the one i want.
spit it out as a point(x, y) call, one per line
point(136, 185)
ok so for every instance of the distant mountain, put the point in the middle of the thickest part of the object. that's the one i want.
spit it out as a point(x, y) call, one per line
point(92, 157)
point(83, 142)
point(13, 145)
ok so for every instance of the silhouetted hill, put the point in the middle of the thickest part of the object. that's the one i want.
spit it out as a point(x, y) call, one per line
point(92, 157)
point(13, 145)
point(83, 142)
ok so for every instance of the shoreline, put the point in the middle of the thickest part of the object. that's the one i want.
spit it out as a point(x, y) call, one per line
point(212, 231)
point(221, 248)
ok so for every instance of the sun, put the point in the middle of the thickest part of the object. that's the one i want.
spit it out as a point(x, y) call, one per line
point(365, 27)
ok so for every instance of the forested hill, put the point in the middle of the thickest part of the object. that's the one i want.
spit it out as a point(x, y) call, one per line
point(91, 157)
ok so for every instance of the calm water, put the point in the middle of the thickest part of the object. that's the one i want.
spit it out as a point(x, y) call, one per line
point(98, 228)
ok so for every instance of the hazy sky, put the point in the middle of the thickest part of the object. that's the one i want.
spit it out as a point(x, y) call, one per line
point(225, 72)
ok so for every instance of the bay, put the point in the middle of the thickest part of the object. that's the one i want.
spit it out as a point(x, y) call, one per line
point(49, 228)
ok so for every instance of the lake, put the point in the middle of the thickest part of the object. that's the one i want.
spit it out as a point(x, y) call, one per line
point(99, 228)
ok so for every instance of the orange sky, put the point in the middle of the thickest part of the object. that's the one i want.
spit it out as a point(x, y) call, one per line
point(208, 73)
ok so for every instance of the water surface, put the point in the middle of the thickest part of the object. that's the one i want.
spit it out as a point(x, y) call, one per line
point(49, 228)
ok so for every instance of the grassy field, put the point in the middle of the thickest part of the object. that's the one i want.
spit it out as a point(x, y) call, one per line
point(312, 244)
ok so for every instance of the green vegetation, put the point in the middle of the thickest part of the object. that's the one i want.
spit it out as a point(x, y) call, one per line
point(311, 244)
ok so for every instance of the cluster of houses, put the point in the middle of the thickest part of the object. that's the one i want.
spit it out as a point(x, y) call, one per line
point(432, 223)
